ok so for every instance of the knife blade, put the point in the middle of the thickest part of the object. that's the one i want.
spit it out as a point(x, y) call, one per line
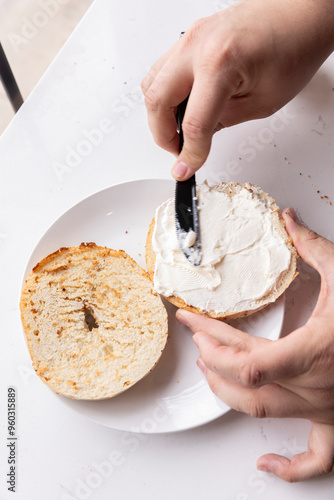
point(186, 213)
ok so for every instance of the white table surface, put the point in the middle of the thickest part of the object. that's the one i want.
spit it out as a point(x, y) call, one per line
point(93, 83)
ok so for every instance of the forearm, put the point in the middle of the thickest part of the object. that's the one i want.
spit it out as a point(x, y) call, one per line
point(300, 35)
point(309, 27)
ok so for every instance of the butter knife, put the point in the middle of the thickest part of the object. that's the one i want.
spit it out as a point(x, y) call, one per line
point(186, 214)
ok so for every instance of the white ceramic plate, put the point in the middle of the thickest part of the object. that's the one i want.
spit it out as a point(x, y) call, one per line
point(175, 395)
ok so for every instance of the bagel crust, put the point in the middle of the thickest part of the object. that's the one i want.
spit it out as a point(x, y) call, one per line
point(93, 323)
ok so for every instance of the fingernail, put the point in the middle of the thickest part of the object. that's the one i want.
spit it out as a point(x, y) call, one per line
point(263, 468)
point(179, 170)
point(201, 365)
point(195, 339)
point(179, 316)
point(291, 212)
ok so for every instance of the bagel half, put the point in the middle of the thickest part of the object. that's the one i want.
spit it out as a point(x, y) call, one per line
point(283, 281)
point(93, 323)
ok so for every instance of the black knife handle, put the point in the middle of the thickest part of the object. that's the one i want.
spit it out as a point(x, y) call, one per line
point(181, 109)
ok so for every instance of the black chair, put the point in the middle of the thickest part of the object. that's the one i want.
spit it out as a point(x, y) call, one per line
point(9, 82)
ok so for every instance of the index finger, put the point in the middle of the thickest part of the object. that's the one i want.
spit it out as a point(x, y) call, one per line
point(167, 86)
point(271, 361)
point(224, 333)
point(209, 94)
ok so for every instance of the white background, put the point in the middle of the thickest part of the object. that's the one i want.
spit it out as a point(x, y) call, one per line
point(96, 77)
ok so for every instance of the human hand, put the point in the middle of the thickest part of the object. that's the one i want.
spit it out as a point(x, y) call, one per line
point(289, 377)
point(242, 63)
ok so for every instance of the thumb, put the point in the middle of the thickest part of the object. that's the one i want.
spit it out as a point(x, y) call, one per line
point(315, 250)
point(318, 460)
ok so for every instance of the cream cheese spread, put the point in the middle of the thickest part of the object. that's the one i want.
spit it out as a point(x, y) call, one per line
point(187, 242)
point(190, 239)
point(243, 255)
